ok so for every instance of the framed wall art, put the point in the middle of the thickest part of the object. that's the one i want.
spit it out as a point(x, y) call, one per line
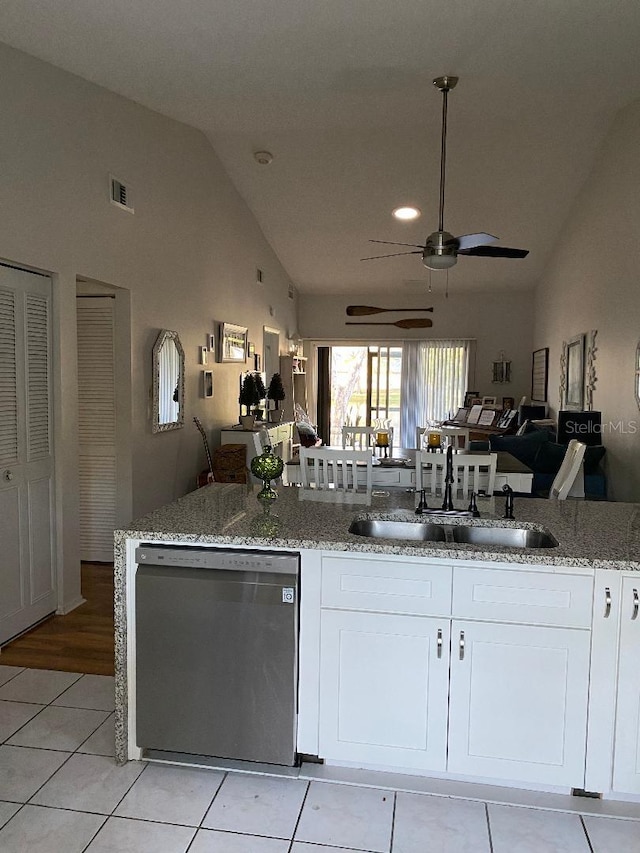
point(540, 374)
point(574, 374)
point(233, 343)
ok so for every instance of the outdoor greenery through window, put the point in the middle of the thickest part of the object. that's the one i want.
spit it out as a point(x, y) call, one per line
point(365, 387)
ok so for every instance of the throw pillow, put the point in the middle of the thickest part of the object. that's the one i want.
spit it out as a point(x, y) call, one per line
point(307, 434)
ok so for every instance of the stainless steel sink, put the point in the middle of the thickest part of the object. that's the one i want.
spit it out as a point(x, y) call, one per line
point(417, 531)
point(515, 537)
point(463, 534)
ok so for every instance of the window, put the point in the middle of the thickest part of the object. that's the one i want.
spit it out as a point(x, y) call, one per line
point(434, 380)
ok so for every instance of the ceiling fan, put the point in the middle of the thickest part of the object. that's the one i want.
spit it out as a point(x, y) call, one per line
point(441, 248)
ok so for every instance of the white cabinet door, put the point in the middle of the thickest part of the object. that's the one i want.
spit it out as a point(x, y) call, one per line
point(626, 760)
point(383, 689)
point(518, 702)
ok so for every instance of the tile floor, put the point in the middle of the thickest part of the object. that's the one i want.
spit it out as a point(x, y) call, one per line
point(61, 792)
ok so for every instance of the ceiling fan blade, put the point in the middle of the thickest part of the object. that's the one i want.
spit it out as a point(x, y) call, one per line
point(468, 241)
point(391, 243)
point(364, 310)
point(394, 255)
point(410, 323)
point(495, 252)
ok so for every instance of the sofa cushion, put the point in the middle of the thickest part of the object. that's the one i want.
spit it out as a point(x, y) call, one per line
point(523, 447)
point(307, 434)
point(550, 455)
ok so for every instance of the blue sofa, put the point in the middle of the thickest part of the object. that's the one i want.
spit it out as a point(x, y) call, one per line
point(537, 450)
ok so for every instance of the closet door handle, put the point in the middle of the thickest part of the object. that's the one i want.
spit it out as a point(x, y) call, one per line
point(607, 602)
point(461, 646)
point(439, 643)
point(636, 602)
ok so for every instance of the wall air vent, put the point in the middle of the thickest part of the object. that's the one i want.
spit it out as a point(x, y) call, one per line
point(120, 194)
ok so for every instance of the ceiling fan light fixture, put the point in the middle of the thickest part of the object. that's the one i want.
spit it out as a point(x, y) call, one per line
point(439, 261)
point(406, 213)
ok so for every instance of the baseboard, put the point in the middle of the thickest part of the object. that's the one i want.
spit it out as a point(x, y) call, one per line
point(68, 606)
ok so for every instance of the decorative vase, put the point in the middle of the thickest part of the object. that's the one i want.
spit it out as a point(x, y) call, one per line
point(248, 421)
point(267, 467)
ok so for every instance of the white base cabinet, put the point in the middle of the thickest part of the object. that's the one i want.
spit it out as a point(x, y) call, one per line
point(384, 689)
point(407, 682)
point(626, 755)
point(518, 702)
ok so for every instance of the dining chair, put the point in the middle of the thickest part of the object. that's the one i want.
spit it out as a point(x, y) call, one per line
point(569, 481)
point(332, 474)
point(458, 436)
point(471, 473)
point(358, 437)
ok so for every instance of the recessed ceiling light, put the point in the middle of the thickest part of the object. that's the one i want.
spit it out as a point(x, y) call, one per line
point(406, 213)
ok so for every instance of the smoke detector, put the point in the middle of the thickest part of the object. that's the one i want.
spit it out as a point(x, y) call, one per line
point(264, 158)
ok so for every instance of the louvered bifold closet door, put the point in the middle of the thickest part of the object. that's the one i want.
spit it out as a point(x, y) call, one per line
point(27, 577)
point(96, 427)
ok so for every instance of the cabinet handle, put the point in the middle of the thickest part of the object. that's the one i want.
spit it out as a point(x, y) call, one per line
point(634, 615)
point(607, 602)
point(439, 642)
point(461, 651)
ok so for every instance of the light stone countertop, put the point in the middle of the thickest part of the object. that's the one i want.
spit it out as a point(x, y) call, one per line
point(590, 535)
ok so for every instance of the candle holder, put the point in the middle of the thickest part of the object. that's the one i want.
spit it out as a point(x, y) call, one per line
point(382, 443)
point(267, 467)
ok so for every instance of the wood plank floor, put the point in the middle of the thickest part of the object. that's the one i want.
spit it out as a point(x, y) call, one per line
point(81, 641)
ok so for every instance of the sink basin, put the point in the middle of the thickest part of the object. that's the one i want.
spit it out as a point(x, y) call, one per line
point(463, 534)
point(515, 537)
point(416, 531)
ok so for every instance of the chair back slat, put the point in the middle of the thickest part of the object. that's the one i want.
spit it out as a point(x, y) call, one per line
point(471, 473)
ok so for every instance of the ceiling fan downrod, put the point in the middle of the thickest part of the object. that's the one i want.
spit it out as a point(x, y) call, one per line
point(445, 84)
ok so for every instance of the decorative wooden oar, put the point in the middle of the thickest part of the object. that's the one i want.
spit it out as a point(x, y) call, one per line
point(363, 310)
point(410, 323)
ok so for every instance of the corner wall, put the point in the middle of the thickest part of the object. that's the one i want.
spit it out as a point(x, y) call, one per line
point(188, 257)
point(592, 282)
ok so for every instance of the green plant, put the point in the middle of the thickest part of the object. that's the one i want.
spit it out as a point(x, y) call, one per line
point(262, 391)
point(275, 391)
point(249, 395)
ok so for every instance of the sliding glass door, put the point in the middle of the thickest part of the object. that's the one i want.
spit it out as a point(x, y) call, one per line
point(364, 387)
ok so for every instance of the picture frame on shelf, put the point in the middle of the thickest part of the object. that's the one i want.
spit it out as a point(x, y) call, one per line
point(233, 343)
point(488, 401)
point(540, 375)
point(468, 397)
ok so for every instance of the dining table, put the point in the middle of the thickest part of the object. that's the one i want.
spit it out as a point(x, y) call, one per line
point(399, 471)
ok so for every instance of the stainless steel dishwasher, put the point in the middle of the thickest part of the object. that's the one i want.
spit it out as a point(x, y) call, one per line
point(217, 652)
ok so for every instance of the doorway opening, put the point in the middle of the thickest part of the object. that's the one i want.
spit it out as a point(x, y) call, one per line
point(365, 387)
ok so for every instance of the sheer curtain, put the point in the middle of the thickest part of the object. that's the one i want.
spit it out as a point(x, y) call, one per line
point(434, 380)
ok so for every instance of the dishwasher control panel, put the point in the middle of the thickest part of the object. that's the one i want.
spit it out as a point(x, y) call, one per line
point(217, 558)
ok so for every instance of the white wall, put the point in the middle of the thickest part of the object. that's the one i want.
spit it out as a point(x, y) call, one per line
point(498, 321)
point(592, 282)
point(188, 257)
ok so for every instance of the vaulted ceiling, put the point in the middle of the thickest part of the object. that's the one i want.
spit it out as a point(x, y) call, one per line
point(340, 92)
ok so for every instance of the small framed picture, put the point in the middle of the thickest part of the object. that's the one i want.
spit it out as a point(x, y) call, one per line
point(233, 343)
point(508, 403)
point(207, 383)
point(251, 349)
point(488, 401)
point(468, 397)
point(211, 343)
point(203, 355)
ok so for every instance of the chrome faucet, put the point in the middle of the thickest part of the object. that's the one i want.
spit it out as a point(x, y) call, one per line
point(447, 504)
point(508, 504)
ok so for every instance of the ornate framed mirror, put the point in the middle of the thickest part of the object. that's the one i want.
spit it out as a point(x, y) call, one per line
point(168, 382)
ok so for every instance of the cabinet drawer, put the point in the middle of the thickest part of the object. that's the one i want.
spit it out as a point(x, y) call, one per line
point(386, 586)
point(527, 597)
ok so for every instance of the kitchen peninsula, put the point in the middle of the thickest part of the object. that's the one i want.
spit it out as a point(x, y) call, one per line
point(389, 631)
